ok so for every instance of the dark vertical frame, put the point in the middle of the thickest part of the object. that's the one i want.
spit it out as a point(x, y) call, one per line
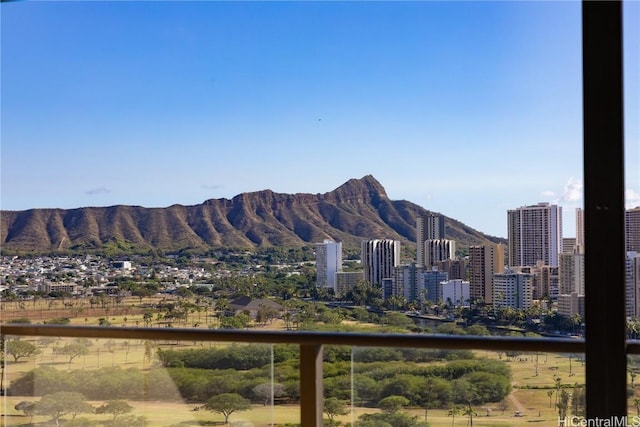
point(606, 370)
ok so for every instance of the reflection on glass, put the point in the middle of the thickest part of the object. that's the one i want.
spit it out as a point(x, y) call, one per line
point(69, 381)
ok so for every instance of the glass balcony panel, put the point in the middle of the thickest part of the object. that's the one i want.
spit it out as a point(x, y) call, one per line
point(402, 386)
point(84, 381)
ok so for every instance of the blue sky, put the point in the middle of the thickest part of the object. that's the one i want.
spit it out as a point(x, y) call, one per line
point(465, 108)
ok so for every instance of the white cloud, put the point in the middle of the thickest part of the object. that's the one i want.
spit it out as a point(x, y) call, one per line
point(572, 190)
point(548, 193)
point(99, 190)
point(212, 187)
point(631, 198)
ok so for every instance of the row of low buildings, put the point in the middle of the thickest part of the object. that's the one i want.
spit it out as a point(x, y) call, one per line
point(541, 264)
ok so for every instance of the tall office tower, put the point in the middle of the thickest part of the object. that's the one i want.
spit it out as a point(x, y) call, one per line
point(632, 284)
point(433, 285)
point(328, 263)
point(632, 229)
point(456, 268)
point(512, 289)
point(438, 250)
point(430, 226)
point(535, 234)
point(579, 227)
point(571, 272)
point(484, 262)
point(379, 257)
point(409, 282)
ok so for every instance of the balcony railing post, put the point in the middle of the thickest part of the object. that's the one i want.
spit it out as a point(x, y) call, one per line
point(311, 385)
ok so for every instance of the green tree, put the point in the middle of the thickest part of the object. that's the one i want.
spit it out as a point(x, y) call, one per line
point(455, 410)
point(450, 329)
point(263, 391)
point(480, 330)
point(63, 402)
point(469, 412)
point(227, 403)
point(19, 349)
point(73, 350)
point(115, 408)
point(436, 393)
point(563, 405)
point(332, 407)
point(393, 404)
point(29, 409)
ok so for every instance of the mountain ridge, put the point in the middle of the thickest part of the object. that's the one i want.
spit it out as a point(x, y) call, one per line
point(357, 210)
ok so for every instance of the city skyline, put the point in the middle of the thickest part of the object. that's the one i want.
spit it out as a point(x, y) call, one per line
point(158, 103)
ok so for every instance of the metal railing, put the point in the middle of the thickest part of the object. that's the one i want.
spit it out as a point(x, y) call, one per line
point(311, 344)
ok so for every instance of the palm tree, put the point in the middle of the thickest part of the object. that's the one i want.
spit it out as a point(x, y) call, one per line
point(468, 411)
point(452, 413)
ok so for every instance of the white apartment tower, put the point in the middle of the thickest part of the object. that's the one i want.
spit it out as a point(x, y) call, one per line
point(512, 289)
point(632, 229)
point(455, 292)
point(429, 226)
point(437, 250)
point(379, 257)
point(535, 234)
point(328, 263)
point(484, 262)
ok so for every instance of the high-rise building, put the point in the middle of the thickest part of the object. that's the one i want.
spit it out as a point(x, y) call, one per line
point(328, 263)
point(429, 226)
point(512, 289)
point(436, 250)
point(570, 304)
point(579, 227)
point(484, 262)
point(545, 280)
point(632, 229)
point(535, 234)
point(571, 272)
point(455, 292)
point(409, 282)
point(346, 280)
point(569, 245)
point(379, 257)
point(433, 284)
point(632, 284)
point(456, 268)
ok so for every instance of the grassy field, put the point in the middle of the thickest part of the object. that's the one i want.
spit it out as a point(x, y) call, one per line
point(533, 377)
